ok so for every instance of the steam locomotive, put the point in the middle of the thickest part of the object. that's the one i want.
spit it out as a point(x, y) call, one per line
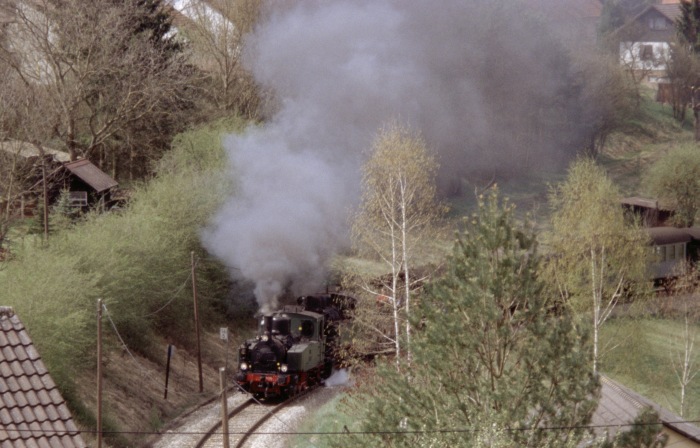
point(296, 347)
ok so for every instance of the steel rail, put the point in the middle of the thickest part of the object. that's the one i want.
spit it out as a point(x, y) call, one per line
point(244, 411)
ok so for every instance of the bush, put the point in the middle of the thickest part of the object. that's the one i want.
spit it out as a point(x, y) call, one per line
point(137, 260)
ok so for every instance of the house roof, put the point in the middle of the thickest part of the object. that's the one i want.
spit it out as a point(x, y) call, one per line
point(619, 406)
point(671, 11)
point(32, 410)
point(640, 29)
point(28, 150)
point(91, 175)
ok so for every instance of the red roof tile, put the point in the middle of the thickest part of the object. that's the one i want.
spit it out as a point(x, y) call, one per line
point(32, 411)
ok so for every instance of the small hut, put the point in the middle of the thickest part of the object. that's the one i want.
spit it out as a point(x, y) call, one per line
point(87, 185)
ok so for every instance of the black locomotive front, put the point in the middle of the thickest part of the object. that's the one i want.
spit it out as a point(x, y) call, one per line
point(286, 356)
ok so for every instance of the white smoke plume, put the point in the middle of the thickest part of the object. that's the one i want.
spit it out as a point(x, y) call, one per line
point(472, 78)
point(340, 377)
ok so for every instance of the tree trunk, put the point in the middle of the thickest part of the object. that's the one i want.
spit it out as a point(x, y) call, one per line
point(695, 102)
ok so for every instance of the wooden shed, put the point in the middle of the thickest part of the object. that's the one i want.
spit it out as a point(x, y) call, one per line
point(652, 212)
point(88, 185)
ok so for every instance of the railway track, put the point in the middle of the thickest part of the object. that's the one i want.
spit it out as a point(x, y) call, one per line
point(243, 421)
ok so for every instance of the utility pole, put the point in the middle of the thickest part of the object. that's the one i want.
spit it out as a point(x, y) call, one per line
point(167, 371)
point(224, 409)
point(46, 197)
point(196, 321)
point(99, 373)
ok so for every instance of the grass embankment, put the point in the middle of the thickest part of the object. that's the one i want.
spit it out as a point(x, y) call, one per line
point(138, 261)
point(646, 138)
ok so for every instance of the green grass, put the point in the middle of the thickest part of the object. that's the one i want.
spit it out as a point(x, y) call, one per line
point(647, 137)
point(326, 419)
point(643, 360)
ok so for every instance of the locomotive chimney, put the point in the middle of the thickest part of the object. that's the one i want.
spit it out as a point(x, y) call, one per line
point(267, 324)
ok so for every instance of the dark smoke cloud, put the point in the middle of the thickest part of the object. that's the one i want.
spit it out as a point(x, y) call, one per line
point(489, 88)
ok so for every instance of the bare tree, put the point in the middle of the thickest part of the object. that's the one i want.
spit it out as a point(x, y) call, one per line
point(684, 290)
point(611, 91)
point(216, 32)
point(684, 364)
point(398, 207)
point(94, 71)
point(681, 68)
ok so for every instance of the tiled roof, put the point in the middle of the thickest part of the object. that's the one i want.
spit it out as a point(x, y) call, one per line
point(32, 410)
point(91, 175)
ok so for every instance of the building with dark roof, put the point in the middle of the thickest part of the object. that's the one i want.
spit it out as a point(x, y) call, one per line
point(32, 411)
point(619, 406)
point(87, 185)
point(645, 40)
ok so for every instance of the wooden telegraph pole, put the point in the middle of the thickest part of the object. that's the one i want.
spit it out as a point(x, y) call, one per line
point(224, 409)
point(196, 322)
point(99, 373)
point(46, 197)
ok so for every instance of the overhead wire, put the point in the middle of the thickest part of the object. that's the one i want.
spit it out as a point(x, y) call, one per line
point(345, 431)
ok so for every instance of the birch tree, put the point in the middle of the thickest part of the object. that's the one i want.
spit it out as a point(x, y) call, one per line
point(684, 289)
point(598, 256)
point(684, 364)
point(398, 207)
point(675, 178)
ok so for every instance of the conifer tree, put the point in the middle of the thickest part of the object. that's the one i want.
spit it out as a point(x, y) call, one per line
point(493, 365)
point(688, 24)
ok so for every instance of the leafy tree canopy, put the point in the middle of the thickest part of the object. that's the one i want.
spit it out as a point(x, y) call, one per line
point(676, 178)
point(491, 363)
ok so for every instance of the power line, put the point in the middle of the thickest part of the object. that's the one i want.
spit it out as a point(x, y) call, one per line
point(348, 432)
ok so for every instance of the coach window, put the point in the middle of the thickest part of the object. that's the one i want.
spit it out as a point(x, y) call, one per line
point(661, 253)
point(680, 251)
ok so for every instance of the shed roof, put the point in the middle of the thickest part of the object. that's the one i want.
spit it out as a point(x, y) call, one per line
point(91, 175)
point(653, 204)
point(32, 410)
point(619, 406)
point(670, 235)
